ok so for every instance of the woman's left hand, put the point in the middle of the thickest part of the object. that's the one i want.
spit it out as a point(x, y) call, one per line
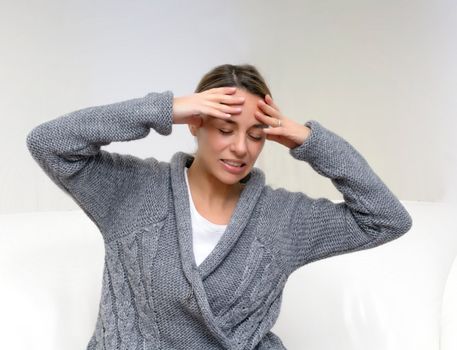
point(290, 134)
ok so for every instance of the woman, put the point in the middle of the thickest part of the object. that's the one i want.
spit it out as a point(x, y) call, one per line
point(198, 249)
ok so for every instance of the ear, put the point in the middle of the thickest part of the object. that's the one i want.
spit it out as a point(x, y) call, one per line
point(192, 129)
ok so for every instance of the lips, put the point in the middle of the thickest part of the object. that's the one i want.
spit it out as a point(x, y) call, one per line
point(232, 163)
point(236, 170)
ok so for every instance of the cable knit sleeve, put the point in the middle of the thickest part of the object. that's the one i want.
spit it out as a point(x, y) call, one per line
point(369, 216)
point(68, 150)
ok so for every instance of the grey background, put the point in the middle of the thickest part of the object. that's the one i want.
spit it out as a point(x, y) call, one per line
point(380, 74)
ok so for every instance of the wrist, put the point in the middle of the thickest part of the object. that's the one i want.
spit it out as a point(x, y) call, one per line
point(304, 133)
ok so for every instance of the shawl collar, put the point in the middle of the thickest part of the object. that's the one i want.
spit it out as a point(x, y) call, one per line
point(254, 183)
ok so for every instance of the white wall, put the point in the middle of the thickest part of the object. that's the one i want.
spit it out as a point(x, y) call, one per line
point(380, 74)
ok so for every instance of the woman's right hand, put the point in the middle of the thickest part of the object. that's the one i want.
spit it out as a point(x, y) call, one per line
point(214, 102)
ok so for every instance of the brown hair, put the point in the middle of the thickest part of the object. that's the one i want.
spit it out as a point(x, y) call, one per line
point(244, 76)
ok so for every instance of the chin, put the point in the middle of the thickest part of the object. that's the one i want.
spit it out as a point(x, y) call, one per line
point(231, 179)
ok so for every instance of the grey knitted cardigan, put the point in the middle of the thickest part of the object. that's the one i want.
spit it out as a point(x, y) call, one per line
point(153, 295)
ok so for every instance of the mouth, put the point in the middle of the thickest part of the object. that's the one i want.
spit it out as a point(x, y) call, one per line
point(232, 163)
point(233, 167)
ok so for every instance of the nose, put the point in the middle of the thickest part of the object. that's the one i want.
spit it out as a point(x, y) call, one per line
point(239, 146)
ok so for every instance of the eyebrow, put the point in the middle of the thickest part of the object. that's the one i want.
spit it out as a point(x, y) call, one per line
point(260, 126)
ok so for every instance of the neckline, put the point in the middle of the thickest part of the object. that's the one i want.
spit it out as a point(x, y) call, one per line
point(254, 184)
point(194, 208)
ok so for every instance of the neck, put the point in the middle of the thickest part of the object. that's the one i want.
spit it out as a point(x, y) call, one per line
point(209, 189)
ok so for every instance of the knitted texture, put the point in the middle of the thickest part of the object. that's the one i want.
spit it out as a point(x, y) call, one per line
point(153, 295)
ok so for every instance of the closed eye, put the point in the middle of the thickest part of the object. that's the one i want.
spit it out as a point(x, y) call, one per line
point(225, 132)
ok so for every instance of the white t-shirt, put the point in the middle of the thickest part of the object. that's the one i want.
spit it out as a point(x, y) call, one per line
point(205, 234)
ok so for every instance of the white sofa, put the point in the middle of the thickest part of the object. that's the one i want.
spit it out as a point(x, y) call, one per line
point(399, 296)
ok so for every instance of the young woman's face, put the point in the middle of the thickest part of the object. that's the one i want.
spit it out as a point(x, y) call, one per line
point(238, 139)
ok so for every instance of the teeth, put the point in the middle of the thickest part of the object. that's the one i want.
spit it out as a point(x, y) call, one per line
point(232, 163)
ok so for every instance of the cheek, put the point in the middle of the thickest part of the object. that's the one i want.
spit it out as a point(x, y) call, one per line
point(257, 147)
point(216, 141)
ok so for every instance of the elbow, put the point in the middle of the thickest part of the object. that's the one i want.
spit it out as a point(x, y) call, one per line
point(30, 140)
point(35, 140)
point(403, 224)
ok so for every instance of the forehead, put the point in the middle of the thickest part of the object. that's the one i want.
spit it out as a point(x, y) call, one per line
point(245, 119)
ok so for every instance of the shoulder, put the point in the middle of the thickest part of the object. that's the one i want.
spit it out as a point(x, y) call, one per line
point(157, 176)
point(133, 169)
point(276, 207)
point(145, 189)
point(282, 197)
point(281, 207)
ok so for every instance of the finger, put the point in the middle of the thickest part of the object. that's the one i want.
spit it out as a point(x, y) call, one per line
point(269, 100)
point(226, 99)
point(269, 109)
point(224, 108)
point(271, 121)
point(273, 131)
point(214, 112)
